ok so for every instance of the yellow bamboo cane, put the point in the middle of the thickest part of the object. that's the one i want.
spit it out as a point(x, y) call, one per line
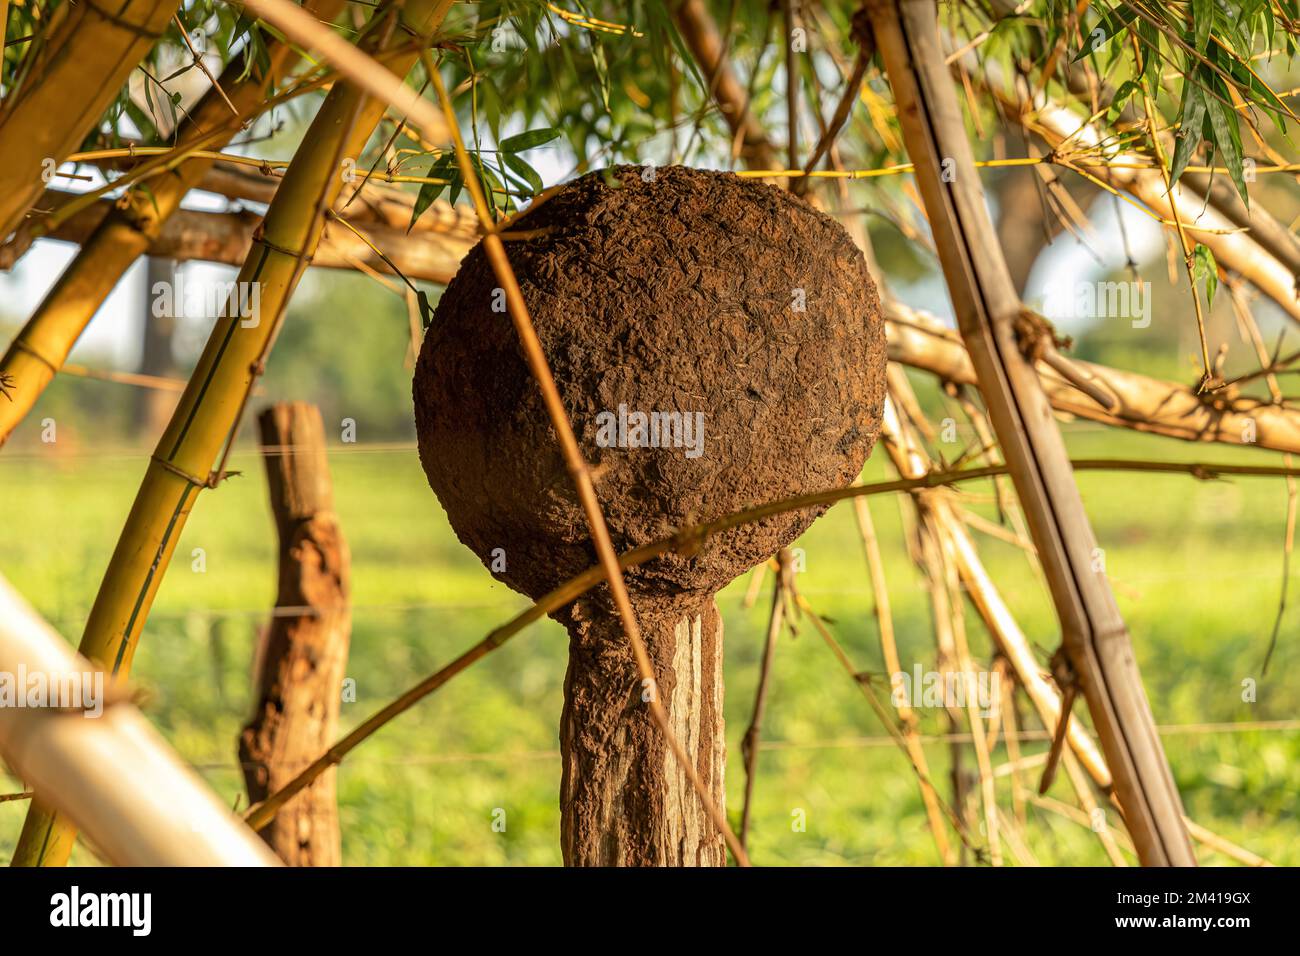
point(212, 404)
point(79, 69)
point(40, 349)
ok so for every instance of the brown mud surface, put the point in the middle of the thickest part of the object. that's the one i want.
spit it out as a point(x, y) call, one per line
point(674, 295)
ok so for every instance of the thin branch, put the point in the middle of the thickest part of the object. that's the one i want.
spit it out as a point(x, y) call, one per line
point(753, 733)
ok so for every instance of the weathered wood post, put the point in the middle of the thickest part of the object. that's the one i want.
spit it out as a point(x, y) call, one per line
point(300, 665)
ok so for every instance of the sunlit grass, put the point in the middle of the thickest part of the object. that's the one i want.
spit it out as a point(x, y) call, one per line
point(1196, 566)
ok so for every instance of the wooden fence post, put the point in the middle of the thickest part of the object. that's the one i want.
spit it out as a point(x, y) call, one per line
point(992, 321)
point(299, 672)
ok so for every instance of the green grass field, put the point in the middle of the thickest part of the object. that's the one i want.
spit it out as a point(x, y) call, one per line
point(1197, 568)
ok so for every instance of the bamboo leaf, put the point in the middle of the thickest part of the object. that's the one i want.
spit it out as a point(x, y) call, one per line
point(1192, 120)
point(488, 181)
point(1112, 23)
point(1205, 267)
point(526, 172)
point(149, 194)
point(602, 70)
point(1271, 105)
point(1202, 21)
point(426, 310)
point(431, 191)
point(1122, 95)
point(528, 140)
point(1149, 60)
point(1227, 139)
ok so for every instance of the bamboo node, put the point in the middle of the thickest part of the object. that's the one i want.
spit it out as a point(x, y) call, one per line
point(300, 254)
point(22, 346)
point(213, 479)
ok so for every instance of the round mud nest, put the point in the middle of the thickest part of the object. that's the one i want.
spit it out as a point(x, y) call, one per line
point(717, 344)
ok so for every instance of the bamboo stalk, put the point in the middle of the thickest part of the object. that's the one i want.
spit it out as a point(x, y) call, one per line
point(431, 251)
point(125, 232)
point(988, 311)
point(788, 18)
point(1140, 402)
point(4, 22)
point(384, 85)
point(912, 462)
point(930, 559)
point(211, 407)
point(1083, 792)
point(893, 664)
point(946, 520)
point(1019, 849)
point(77, 72)
point(159, 814)
point(1011, 720)
point(934, 556)
point(864, 684)
point(988, 790)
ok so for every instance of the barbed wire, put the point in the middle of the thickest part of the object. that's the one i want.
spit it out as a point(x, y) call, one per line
point(868, 741)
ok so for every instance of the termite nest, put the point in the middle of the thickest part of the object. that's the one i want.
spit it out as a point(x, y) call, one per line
point(717, 343)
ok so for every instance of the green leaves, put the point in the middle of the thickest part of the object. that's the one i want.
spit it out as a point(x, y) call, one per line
point(516, 169)
point(524, 171)
point(1189, 134)
point(426, 310)
point(529, 140)
point(442, 169)
point(1204, 267)
point(511, 175)
point(1226, 135)
point(1211, 43)
point(1112, 24)
point(1207, 116)
point(1202, 21)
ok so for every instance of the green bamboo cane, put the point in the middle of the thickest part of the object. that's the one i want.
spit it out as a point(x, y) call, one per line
point(213, 402)
point(40, 349)
point(81, 66)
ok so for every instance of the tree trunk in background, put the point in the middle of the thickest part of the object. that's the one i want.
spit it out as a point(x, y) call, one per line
point(623, 799)
point(1020, 223)
point(153, 406)
point(299, 675)
point(700, 33)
